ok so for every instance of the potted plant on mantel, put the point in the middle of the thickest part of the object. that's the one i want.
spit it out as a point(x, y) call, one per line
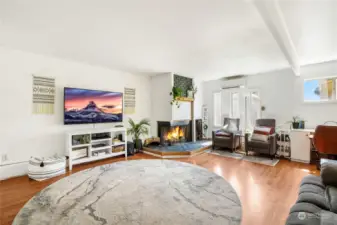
point(176, 93)
point(137, 130)
point(192, 91)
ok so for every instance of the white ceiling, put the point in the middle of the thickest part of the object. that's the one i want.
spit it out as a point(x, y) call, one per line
point(198, 38)
point(313, 29)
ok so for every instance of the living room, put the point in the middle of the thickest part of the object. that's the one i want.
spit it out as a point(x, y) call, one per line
point(170, 112)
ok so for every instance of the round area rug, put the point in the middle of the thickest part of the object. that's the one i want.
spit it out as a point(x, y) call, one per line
point(137, 192)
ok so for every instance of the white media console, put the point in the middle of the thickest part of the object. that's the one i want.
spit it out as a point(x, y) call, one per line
point(94, 144)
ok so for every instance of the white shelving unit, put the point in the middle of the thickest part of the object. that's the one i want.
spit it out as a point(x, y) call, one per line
point(102, 151)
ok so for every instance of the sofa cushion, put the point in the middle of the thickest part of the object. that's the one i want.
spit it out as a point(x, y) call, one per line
point(328, 218)
point(304, 213)
point(311, 188)
point(329, 173)
point(222, 133)
point(323, 217)
point(316, 199)
point(311, 179)
point(331, 193)
point(221, 138)
point(305, 207)
point(258, 144)
point(312, 212)
point(300, 218)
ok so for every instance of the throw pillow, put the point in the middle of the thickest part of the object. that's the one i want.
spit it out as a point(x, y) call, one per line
point(261, 133)
point(222, 133)
point(231, 127)
point(331, 193)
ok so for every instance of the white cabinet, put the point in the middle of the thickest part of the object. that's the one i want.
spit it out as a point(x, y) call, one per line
point(300, 145)
point(84, 146)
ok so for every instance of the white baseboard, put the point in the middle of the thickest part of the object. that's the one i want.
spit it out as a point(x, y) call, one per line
point(301, 161)
point(13, 170)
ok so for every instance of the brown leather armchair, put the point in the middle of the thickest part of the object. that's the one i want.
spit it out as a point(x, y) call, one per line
point(232, 141)
point(270, 147)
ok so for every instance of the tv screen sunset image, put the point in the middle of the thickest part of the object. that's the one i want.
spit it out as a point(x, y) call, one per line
point(92, 106)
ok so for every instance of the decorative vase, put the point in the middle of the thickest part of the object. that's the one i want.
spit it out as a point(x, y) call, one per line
point(190, 94)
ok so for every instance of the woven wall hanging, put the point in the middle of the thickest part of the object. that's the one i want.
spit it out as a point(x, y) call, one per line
point(43, 95)
point(129, 100)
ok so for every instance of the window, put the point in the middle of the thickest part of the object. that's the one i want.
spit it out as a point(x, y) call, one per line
point(235, 105)
point(320, 90)
point(253, 109)
point(244, 104)
point(217, 120)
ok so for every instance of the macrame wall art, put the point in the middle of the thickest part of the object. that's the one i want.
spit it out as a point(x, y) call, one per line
point(43, 95)
point(129, 100)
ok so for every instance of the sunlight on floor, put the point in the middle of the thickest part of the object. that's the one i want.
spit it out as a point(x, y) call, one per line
point(218, 170)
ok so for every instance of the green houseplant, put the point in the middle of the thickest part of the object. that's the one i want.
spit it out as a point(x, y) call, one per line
point(193, 89)
point(297, 123)
point(175, 93)
point(137, 130)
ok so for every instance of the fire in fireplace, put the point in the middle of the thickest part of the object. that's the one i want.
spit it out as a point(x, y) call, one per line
point(171, 132)
point(175, 134)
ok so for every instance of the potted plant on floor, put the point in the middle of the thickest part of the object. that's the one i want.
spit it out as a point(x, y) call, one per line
point(137, 130)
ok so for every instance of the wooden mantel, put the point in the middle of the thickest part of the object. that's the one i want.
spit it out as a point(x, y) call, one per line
point(184, 99)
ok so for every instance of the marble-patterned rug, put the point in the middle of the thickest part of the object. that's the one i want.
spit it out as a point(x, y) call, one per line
point(241, 156)
point(142, 192)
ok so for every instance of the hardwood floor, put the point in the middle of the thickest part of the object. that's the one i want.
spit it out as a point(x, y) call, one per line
point(266, 193)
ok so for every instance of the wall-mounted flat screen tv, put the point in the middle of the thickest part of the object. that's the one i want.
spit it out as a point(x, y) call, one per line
point(91, 106)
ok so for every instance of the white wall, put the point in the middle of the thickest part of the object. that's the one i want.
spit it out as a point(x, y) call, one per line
point(183, 112)
point(282, 94)
point(198, 99)
point(25, 134)
point(161, 86)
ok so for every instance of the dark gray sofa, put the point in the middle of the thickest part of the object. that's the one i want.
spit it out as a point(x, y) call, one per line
point(317, 199)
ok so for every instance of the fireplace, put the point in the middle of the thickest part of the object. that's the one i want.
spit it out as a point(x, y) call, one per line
point(172, 132)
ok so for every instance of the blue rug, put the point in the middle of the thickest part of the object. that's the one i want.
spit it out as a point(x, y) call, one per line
point(183, 147)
